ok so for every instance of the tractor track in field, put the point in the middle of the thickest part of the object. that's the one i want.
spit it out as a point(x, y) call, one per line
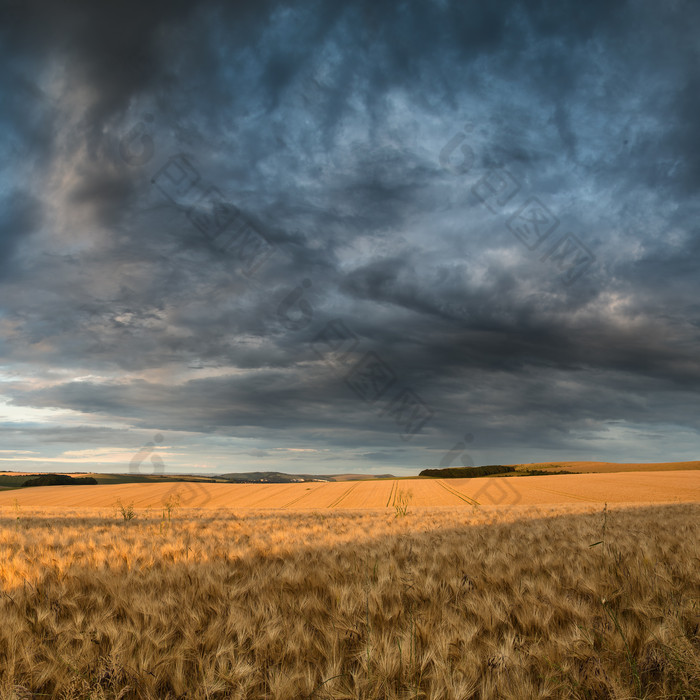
point(460, 495)
point(344, 495)
point(573, 496)
point(271, 488)
point(303, 495)
point(392, 494)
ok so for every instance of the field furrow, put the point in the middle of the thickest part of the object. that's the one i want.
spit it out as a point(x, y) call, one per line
point(623, 487)
point(390, 501)
point(368, 494)
point(307, 493)
point(344, 495)
point(459, 495)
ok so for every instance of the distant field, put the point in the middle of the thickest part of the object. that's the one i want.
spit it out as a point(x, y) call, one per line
point(626, 487)
point(607, 467)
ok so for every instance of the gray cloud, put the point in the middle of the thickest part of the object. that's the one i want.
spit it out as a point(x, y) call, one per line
point(324, 124)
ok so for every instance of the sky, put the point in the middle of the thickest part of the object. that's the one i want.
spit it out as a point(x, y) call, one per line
point(361, 236)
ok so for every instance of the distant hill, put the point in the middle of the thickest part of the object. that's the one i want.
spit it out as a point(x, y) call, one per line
point(269, 478)
point(10, 479)
point(359, 477)
point(59, 480)
point(284, 478)
point(467, 472)
point(608, 467)
point(544, 468)
point(17, 479)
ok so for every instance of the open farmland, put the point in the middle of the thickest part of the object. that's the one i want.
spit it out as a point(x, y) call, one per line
point(606, 467)
point(627, 487)
point(447, 604)
point(575, 585)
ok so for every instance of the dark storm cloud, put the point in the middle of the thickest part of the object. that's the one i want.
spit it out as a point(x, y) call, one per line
point(18, 218)
point(113, 46)
point(324, 124)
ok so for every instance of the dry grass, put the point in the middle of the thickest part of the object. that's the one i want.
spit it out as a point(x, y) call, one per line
point(640, 487)
point(441, 603)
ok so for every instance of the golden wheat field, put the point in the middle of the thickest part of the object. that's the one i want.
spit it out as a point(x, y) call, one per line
point(570, 585)
point(551, 601)
point(629, 487)
point(603, 467)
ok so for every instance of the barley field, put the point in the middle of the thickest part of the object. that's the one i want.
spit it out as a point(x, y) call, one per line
point(530, 601)
point(629, 487)
point(605, 467)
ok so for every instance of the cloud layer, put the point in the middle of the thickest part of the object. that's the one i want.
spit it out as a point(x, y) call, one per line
point(494, 206)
